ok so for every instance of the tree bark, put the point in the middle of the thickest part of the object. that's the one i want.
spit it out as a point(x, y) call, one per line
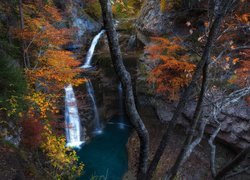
point(125, 79)
point(231, 165)
point(195, 78)
point(26, 61)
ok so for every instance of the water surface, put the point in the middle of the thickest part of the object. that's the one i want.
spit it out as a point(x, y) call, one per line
point(106, 154)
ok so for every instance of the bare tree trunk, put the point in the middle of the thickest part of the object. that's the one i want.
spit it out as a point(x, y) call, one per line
point(231, 165)
point(26, 61)
point(20, 6)
point(125, 79)
point(197, 115)
point(21, 14)
point(196, 76)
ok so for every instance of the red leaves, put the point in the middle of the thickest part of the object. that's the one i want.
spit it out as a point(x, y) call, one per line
point(32, 130)
point(174, 71)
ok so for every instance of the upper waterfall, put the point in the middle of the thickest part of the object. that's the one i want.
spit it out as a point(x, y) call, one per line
point(91, 50)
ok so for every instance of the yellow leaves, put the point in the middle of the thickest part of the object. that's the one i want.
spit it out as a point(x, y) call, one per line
point(42, 103)
point(61, 157)
point(14, 105)
point(163, 5)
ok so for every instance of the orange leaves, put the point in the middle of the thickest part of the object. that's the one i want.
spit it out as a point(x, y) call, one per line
point(53, 68)
point(244, 18)
point(40, 25)
point(173, 72)
point(241, 75)
point(53, 13)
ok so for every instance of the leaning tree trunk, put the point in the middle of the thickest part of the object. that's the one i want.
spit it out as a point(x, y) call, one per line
point(125, 79)
point(195, 78)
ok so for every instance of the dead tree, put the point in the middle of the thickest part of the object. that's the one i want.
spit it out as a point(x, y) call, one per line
point(125, 79)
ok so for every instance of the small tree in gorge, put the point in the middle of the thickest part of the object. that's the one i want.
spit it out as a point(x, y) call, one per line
point(174, 71)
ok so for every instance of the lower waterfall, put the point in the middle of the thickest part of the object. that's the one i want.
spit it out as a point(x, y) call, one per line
point(72, 120)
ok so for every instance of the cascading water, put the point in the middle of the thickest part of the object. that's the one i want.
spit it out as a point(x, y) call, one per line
point(106, 155)
point(97, 125)
point(121, 109)
point(90, 89)
point(91, 50)
point(72, 120)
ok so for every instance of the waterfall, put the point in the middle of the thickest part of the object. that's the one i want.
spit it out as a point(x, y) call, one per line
point(72, 120)
point(120, 99)
point(121, 108)
point(91, 50)
point(97, 125)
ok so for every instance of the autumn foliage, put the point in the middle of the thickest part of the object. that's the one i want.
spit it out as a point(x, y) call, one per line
point(49, 70)
point(173, 71)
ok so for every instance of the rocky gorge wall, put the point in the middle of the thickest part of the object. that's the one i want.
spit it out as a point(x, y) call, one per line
point(235, 121)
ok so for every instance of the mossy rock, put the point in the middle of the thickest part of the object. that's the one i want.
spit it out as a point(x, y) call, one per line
point(94, 10)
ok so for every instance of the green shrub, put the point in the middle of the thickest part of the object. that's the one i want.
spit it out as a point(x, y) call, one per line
point(13, 86)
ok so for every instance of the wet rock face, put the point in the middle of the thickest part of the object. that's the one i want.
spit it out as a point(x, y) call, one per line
point(82, 21)
point(151, 20)
point(235, 125)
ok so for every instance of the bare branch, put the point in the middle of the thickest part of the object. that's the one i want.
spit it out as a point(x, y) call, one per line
point(238, 172)
point(218, 107)
point(213, 150)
